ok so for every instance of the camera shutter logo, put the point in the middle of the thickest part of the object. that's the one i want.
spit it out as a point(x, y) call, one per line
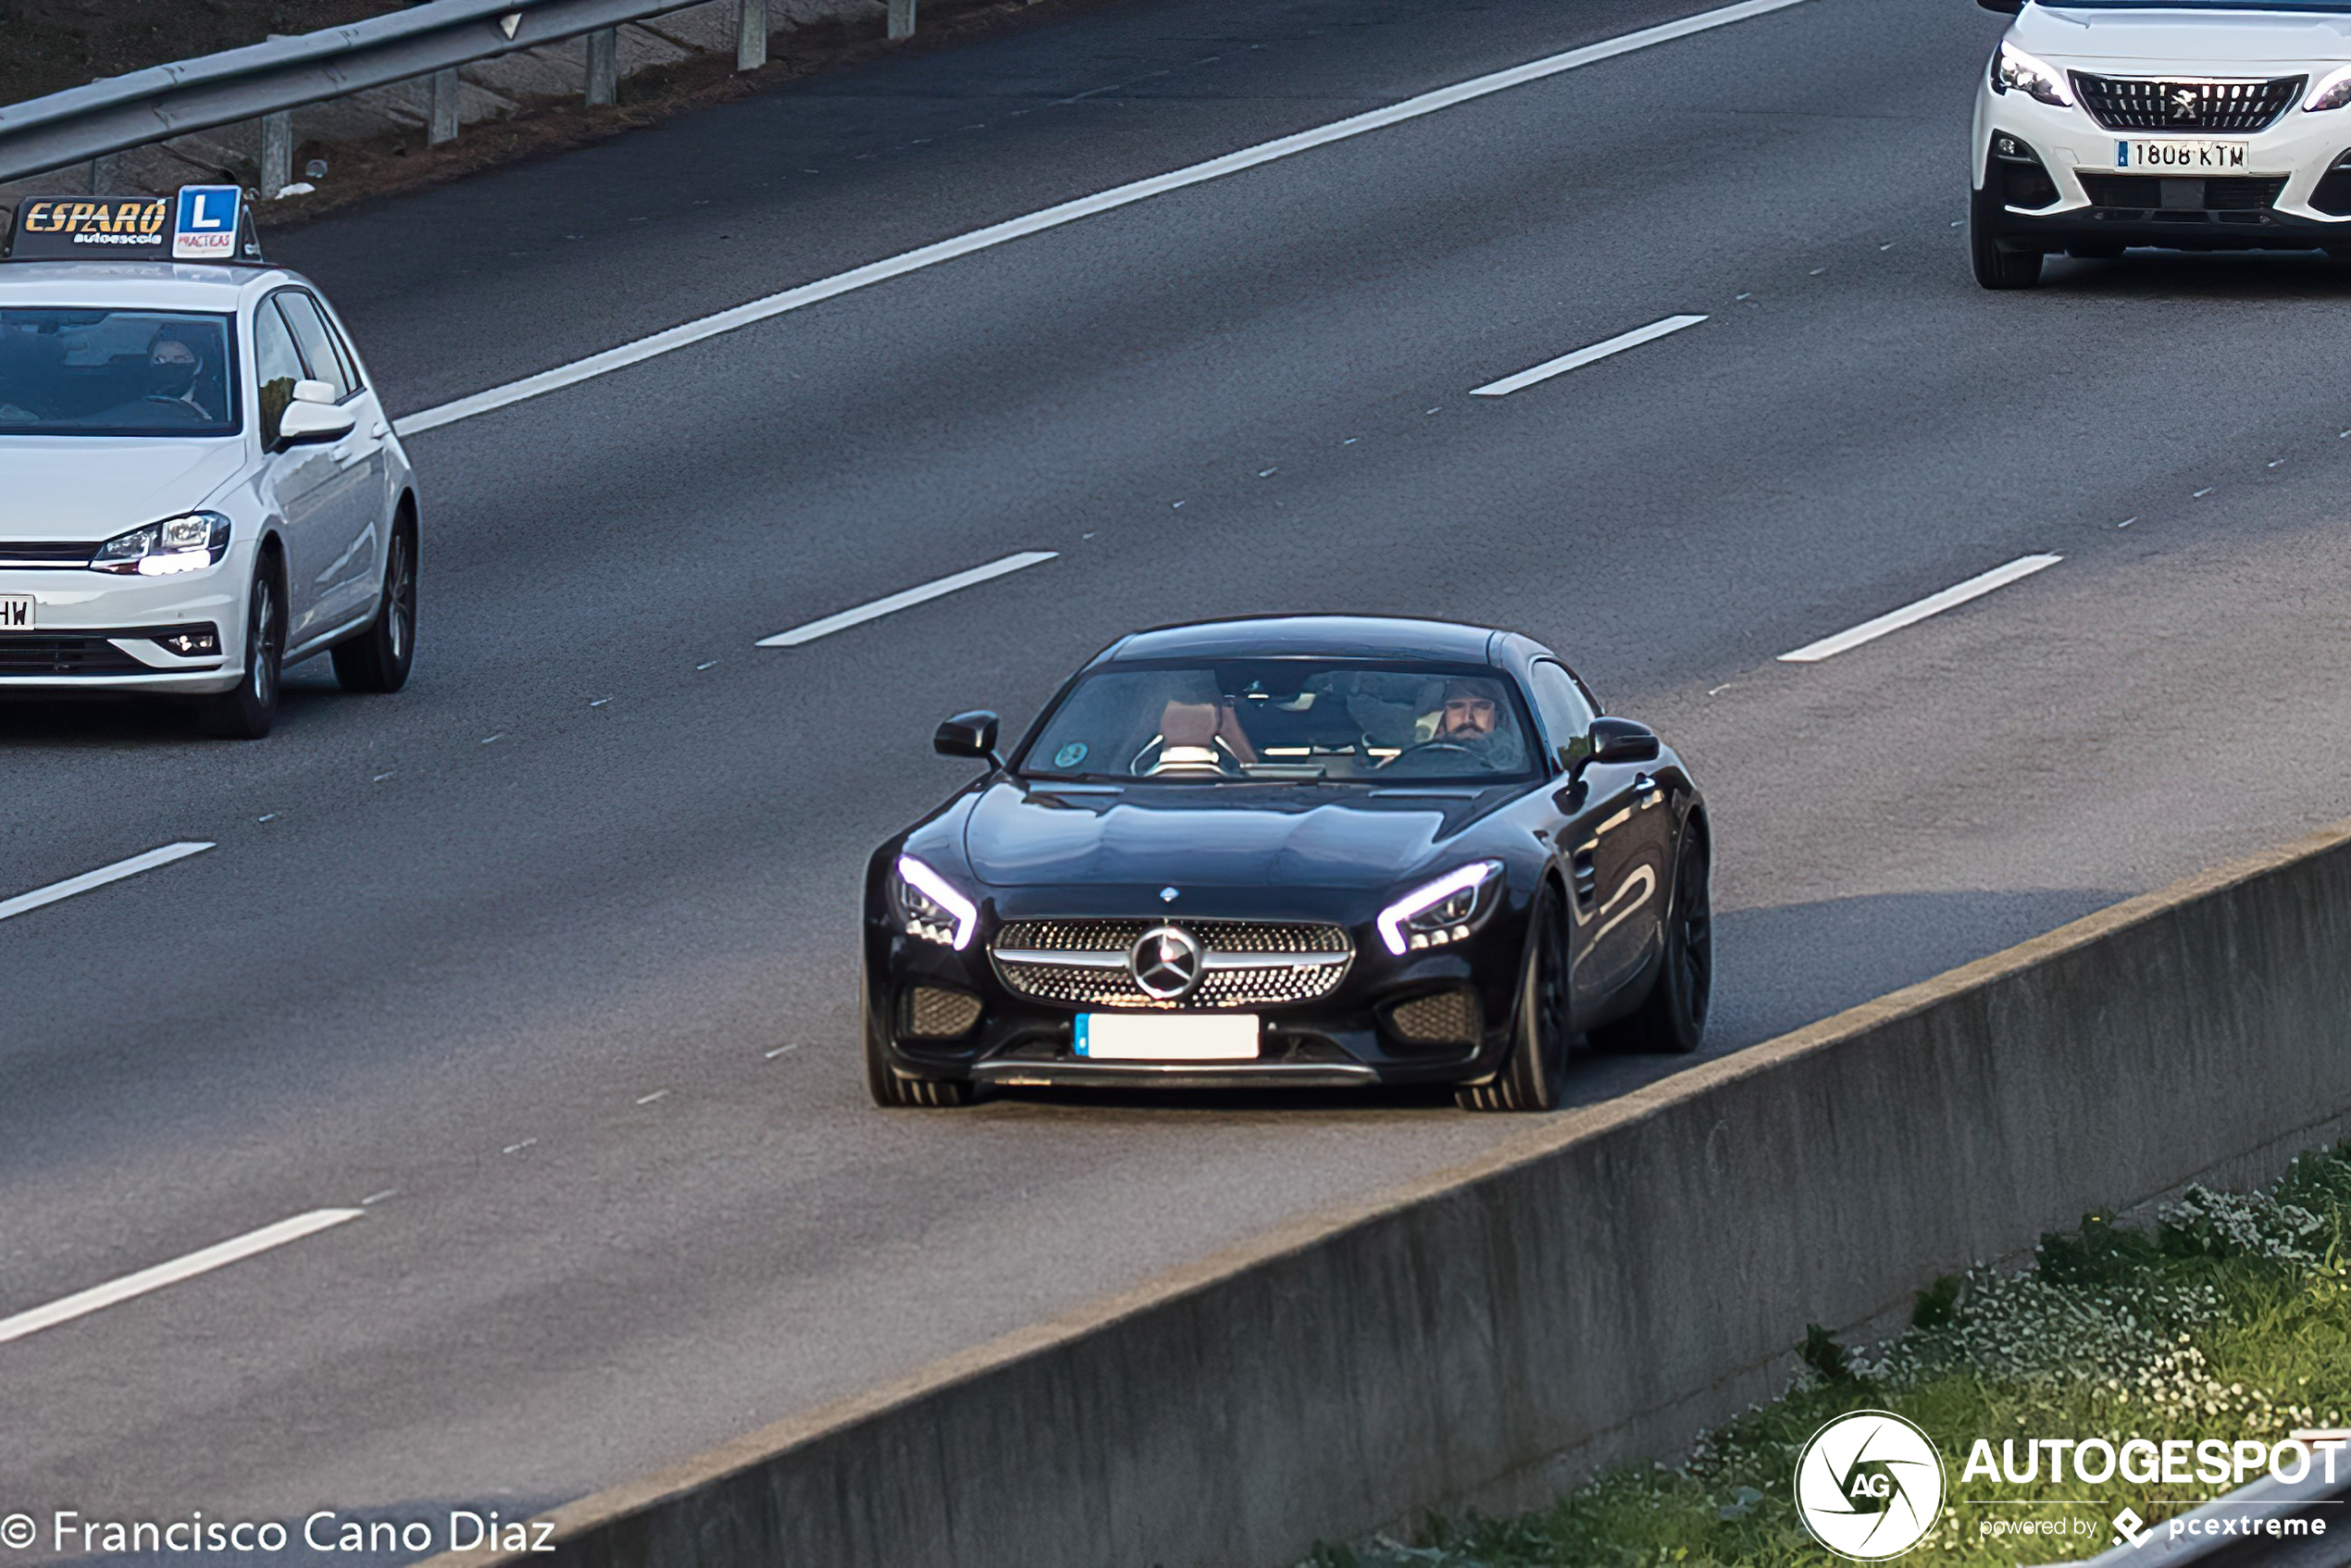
point(1869, 1485)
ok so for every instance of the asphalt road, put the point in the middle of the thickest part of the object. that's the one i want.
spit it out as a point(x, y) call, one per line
point(547, 963)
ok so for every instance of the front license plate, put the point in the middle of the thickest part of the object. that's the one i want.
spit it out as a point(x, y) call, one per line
point(2174, 155)
point(17, 613)
point(1167, 1037)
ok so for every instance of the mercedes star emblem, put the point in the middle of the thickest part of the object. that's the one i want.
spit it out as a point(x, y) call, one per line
point(1165, 962)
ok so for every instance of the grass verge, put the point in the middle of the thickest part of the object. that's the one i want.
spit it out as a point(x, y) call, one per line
point(2226, 1317)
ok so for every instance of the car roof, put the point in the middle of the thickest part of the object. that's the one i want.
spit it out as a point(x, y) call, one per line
point(133, 285)
point(1343, 637)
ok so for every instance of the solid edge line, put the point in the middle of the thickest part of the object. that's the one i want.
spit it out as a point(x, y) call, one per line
point(82, 1303)
point(905, 600)
point(25, 904)
point(1513, 1152)
point(1584, 356)
point(806, 294)
point(1910, 615)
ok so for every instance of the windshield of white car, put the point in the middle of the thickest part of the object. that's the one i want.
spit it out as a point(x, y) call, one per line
point(1275, 720)
point(116, 373)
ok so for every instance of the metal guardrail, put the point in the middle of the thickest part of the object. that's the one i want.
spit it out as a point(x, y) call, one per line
point(266, 82)
point(2321, 1498)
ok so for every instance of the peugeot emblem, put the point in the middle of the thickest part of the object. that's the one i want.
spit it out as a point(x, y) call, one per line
point(2186, 104)
point(1165, 962)
point(1167, 895)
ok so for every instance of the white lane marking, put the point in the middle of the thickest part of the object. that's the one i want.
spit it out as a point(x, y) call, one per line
point(995, 234)
point(1932, 605)
point(896, 602)
point(24, 903)
point(1584, 356)
point(98, 1297)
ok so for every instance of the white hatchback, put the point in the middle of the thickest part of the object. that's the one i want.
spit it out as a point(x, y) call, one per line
point(2188, 124)
point(198, 484)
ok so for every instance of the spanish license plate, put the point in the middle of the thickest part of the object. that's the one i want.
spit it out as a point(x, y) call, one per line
point(1167, 1037)
point(17, 613)
point(2173, 155)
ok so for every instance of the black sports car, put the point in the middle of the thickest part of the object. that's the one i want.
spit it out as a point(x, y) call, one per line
point(1312, 849)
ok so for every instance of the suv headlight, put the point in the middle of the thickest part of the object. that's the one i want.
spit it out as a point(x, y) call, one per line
point(1441, 912)
point(2015, 70)
point(928, 906)
point(2331, 92)
point(185, 543)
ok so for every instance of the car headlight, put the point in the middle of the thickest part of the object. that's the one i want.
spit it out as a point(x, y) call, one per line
point(928, 906)
point(176, 544)
point(2332, 91)
point(1441, 912)
point(2015, 70)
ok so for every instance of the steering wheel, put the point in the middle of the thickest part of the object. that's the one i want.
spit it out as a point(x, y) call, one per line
point(1454, 747)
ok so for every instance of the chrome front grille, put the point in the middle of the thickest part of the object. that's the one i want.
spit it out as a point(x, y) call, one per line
point(2131, 103)
point(1244, 964)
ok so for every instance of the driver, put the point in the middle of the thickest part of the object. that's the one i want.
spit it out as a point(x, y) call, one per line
point(1469, 711)
point(1468, 717)
point(172, 366)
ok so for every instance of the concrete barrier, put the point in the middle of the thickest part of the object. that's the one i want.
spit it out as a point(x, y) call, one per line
point(1600, 1285)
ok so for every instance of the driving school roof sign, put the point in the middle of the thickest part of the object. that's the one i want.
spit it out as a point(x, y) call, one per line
point(201, 223)
point(206, 229)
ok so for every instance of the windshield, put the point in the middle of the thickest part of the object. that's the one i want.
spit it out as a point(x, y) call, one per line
point(116, 373)
point(1274, 719)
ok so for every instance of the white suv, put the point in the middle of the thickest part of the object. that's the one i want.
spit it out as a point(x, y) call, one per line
point(2190, 124)
point(201, 486)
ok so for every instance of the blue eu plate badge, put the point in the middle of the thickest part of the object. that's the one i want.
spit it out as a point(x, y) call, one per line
point(206, 228)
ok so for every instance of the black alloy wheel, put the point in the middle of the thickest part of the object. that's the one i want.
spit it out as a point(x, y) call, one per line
point(1672, 1018)
point(379, 658)
point(1532, 1074)
point(247, 712)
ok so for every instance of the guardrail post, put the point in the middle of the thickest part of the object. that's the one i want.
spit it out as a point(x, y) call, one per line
point(604, 65)
point(102, 173)
point(276, 152)
point(751, 34)
point(444, 108)
point(901, 19)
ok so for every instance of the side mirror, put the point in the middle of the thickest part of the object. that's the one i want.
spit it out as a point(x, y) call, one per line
point(968, 735)
point(313, 392)
point(1623, 740)
point(305, 422)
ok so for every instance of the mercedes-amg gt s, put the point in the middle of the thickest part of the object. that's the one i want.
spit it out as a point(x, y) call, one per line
point(1310, 850)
